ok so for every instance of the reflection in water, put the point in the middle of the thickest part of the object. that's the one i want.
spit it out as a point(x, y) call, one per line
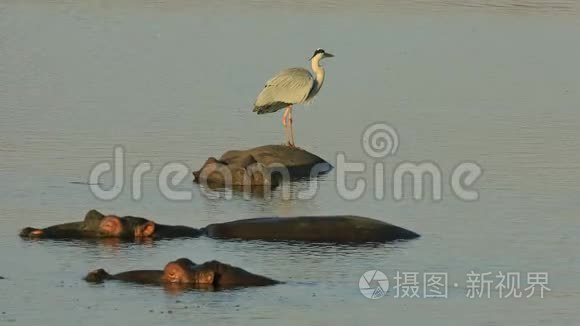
point(175, 289)
point(569, 6)
point(109, 242)
point(298, 188)
point(178, 289)
point(246, 191)
point(335, 6)
point(314, 249)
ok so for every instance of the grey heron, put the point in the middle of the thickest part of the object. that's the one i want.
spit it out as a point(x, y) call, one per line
point(291, 86)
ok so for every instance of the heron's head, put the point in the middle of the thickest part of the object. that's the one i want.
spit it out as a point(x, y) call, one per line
point(320, 54)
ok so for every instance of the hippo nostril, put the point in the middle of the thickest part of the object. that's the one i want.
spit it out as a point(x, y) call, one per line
point(25, 232)
point(172, 277)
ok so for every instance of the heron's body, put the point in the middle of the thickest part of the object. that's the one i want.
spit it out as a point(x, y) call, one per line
point(291, 86)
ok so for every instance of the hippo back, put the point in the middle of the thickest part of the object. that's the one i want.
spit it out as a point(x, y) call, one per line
point(345, 228)
point(297, 161)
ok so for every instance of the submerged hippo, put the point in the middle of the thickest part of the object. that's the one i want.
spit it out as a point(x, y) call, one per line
point(264, 165)
point(97, 225)
point(185, 272)
point(246, 172)
point(347, 228)
point(339, 229)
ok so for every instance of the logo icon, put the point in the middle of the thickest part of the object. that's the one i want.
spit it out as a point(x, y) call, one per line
point(373, 284)
point(380, 140)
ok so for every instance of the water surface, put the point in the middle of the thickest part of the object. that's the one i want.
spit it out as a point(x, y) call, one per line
point(493, 82)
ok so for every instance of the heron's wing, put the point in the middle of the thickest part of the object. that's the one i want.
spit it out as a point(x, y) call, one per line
point(288, 86)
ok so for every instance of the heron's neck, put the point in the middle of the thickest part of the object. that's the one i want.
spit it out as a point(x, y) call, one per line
point(319, 72)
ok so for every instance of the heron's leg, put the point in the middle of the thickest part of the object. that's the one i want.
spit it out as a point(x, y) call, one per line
point(291, 143)
point(285, 123)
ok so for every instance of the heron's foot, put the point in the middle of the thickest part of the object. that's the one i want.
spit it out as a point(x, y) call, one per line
point(292, 145)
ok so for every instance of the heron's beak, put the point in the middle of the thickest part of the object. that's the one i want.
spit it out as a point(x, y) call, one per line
point(328, 55)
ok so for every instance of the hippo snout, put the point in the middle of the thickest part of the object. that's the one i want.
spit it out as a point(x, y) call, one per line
point(30, 232)
point(97, 276)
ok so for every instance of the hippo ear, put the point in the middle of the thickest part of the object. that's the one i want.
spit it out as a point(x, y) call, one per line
point(252, 160)
point(93, 214)
point(148, 229)
point(248, 160)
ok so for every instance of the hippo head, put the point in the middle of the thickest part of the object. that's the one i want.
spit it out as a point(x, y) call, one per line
point(236, 171)
point(210, 166)
point(30, 232)
point(98, 276)
point(125, 227)
point(184, 271)
point(96, 225)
